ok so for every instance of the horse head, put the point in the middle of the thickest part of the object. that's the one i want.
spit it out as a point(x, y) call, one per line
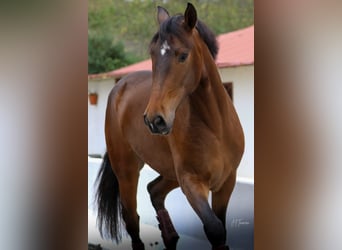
point(176, 67)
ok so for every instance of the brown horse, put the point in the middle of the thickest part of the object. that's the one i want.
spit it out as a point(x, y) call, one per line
point(193, 137)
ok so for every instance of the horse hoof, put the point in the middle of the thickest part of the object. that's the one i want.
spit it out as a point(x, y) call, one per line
point(138, 246)
point(170, 239)
point(168, 232)
point(171, 243)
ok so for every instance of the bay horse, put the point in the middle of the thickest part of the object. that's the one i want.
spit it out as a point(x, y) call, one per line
point(179, 120)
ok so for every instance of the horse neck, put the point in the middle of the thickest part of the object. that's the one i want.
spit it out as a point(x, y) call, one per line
point(209, 100)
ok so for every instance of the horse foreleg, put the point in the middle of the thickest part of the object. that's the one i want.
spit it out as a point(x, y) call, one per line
point(128, 191)
point(197, 194)
point(220, 198)
point(158, 190)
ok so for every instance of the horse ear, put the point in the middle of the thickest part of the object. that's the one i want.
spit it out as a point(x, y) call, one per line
point(162, 15)
point(190, 16)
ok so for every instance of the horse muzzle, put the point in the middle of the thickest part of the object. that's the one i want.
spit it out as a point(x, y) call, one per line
point(157, 125)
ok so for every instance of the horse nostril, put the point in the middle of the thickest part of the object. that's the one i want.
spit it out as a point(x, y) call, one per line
point(146, 120)
point(149, 124)
point(159, 123)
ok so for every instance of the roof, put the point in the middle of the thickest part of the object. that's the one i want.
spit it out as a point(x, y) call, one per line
point(235, 49)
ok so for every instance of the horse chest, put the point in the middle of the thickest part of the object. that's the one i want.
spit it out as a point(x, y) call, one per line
point(201, 156)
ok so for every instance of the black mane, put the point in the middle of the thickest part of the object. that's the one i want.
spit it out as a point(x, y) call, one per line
point(173, 26)
point(208, 37)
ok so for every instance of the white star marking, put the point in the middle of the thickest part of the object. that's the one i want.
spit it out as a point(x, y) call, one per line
point(165, 46)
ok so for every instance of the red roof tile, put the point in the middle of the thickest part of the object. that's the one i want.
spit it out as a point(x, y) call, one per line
point(235, 49)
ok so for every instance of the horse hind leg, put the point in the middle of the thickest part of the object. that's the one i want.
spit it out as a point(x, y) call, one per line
point(127, 172)
point(128, 201)
point(158, 190)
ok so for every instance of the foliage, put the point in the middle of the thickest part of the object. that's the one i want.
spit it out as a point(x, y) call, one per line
point(133, 22)
point(104, 56)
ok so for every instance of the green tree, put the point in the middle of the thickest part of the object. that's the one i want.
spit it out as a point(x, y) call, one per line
point(104, 55)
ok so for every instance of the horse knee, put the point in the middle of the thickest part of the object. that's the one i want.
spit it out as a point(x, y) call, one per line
point(151, 186)
point(155, 198)
point(215, 231)
point(150, 189)
point(157, 194)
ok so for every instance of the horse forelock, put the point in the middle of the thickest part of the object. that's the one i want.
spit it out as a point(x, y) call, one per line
point(173, 26)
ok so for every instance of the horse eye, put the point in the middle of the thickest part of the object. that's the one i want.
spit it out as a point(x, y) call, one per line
point(182, 57)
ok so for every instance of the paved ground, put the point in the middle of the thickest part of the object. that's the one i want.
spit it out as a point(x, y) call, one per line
point(240, 219)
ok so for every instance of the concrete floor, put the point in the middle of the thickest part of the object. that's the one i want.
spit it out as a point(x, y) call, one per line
point(240, 218)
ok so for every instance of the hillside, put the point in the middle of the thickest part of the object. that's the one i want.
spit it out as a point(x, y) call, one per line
point(133, 22)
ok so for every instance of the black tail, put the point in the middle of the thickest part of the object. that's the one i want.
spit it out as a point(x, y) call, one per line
point(109, 217)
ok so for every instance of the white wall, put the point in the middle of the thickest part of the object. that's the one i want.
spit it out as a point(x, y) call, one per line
point(96, 115)
point(243, 96)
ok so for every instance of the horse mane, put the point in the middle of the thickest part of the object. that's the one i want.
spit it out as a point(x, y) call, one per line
point(173, 26)
point(208, 37)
